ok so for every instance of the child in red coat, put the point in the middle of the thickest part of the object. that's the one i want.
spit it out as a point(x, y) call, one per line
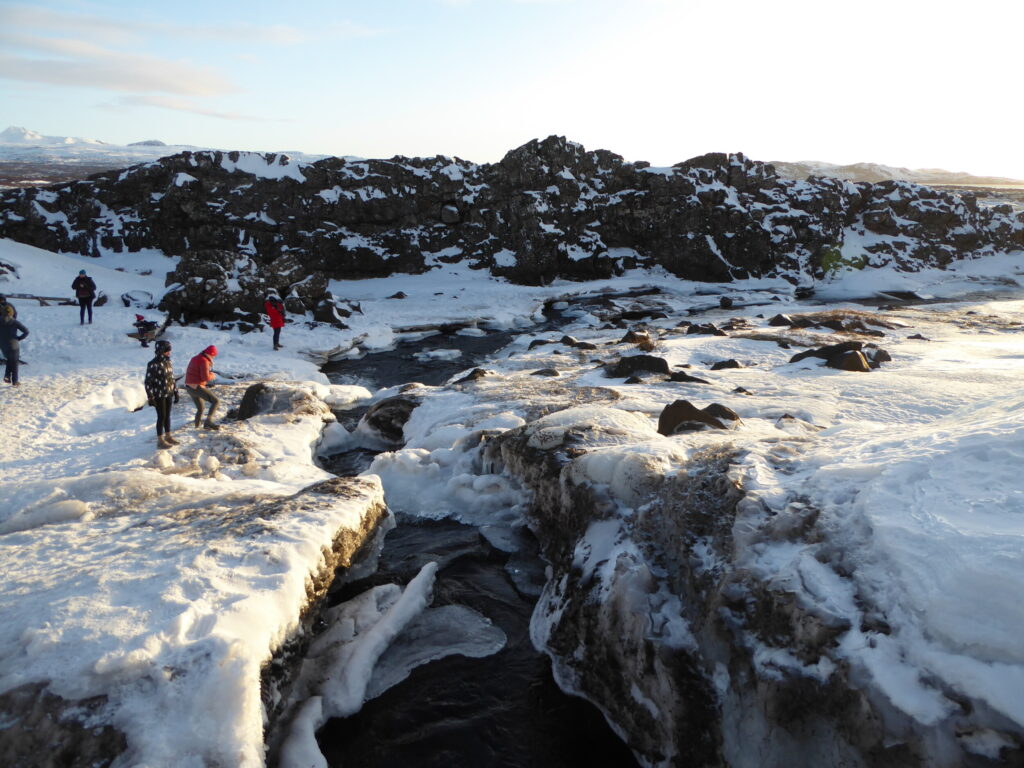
point(275, 311)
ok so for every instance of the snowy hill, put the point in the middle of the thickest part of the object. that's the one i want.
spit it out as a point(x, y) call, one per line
point(874, 172)
point(17, 135)
point(28, 158)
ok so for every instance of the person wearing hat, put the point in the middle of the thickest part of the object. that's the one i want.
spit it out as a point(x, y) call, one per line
point(162, 391)
point(11, 334)
point(85, 292)
point(143, 328)
point(275, 313)
point(6, 308)
point(198, 374)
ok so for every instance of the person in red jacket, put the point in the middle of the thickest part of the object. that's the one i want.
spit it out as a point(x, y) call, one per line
point(198, 374)
point(275, 311)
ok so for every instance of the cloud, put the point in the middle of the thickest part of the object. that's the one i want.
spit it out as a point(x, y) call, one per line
point(78, 63)
point(113, 31)
point(180, 105)
point(84, 65)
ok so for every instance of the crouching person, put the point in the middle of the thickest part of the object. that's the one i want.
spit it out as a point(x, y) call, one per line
point(162, 391)
point(198, 374)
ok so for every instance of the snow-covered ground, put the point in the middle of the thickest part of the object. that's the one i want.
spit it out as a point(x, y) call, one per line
point(122, 579)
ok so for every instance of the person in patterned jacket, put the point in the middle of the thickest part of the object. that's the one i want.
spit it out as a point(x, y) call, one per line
point(162, 390)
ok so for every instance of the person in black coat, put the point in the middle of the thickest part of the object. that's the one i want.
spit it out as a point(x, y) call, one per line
point(11, 334)
point(162, 391)
point(85, 292)
point(7, 307)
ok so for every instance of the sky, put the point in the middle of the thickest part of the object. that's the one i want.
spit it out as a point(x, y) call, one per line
point(903, 82)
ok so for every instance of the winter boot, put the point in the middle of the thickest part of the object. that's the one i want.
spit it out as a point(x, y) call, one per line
point(170, 439)
point(211, 425)
point(161, 442)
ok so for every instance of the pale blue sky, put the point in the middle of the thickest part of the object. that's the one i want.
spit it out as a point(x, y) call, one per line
point(902, 82)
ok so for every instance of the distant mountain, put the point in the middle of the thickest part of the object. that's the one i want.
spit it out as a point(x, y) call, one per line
point(30, 159)
point(874, 173)
point(25, 136)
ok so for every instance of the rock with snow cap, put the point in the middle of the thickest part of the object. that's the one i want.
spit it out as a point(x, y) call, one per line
point(549, 209)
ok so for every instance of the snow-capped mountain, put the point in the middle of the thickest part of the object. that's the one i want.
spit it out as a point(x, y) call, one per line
point(28, 158)
point(874, 172)
point(25, 136)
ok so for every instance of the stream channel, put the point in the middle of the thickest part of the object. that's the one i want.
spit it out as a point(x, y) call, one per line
point(501, 710)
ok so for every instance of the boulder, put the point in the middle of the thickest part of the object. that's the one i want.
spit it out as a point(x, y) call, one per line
point(475, 375)
point(827, 352)
point(684, 376)
point(572, 341)
point(851, 360)
point(705, 328)
point(682, 415)
point(386, 419)
point(138, 299)
point(722, 365)
point(627, 366)
point(266, 397)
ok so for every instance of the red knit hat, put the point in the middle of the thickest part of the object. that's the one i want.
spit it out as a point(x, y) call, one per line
point(211, 351)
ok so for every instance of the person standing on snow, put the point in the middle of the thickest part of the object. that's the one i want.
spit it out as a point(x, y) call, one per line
point(85, 291)
point(11, 334)
point(275, 311)
point(161, 391)
point(198, 374)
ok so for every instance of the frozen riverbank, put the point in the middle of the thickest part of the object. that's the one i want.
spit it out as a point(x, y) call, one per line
point(127, 558)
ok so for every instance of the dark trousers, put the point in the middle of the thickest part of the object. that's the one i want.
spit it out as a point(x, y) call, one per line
point(84, 304)
point(198, 395)
point(163, 414)
point(277, 338)
point(11, 370)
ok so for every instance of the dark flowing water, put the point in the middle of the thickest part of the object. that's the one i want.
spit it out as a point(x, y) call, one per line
point(502, 710)
point(400, 365)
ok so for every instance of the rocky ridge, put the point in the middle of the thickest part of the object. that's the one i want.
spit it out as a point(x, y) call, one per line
point(242, 222)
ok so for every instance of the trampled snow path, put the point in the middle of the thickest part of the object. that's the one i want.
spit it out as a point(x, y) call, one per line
point(915, 466)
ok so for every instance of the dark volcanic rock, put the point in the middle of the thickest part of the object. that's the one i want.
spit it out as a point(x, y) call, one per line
point(550, 209)
point(847, 356)
point(851, 360)
point(475, 375)
point(267, 397)
point(710, 328)
point(41, 730)
point(572, 341)
point(722, 365)
point(682, 415)
point(828, 351)
point(684, 376)
point(631, 364)
point(387, 418)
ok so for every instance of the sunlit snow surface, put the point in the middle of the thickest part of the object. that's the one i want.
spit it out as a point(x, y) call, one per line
point(915, 468)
